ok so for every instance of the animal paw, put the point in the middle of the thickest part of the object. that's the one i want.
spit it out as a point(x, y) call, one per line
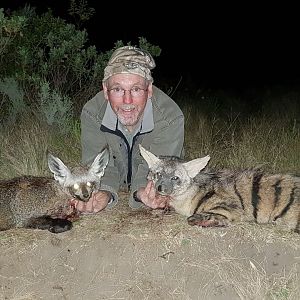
point(60, 225)
point(208, 220)
point(54, 225)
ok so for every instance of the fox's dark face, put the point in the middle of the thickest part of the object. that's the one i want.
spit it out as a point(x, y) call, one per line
point(80, 182)
point(82, 191)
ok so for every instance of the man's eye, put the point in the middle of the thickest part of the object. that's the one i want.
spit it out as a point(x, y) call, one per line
point(117, 89)
point(136, 89)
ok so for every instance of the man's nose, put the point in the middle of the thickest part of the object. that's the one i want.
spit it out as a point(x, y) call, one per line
point(127, 98)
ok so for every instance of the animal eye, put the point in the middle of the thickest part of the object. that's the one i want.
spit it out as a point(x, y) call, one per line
point(158, 175)
point(174, 178)
point(76, 186)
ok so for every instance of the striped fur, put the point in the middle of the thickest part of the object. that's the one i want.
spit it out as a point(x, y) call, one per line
point(224, 197)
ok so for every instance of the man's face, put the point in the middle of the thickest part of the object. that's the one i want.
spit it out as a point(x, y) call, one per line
point(127, 94)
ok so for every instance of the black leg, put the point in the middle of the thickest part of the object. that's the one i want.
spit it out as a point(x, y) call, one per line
point(53, 225)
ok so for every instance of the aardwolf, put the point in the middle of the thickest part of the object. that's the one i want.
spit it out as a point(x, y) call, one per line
point(224, 197)
point(45, 203)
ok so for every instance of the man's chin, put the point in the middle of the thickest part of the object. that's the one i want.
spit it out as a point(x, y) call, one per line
point(131, 124)
point(128, 121)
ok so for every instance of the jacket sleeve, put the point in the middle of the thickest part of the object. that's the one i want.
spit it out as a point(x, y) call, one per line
point(168, 141)
point(93, 140)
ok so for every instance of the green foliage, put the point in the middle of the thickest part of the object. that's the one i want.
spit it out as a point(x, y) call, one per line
point(10, 29)
point(49, 64)
point(80, 11)
point(55, 109)
point(53, 51)
point(144, 44)
point(13, 104)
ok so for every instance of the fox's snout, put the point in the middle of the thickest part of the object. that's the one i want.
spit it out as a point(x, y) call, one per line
point(82, 195)
point(82, 191)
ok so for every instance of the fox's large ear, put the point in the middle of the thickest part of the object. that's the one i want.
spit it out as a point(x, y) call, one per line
point(149, 157)
point(58, 168)
point(100, 162)
point(194, 166)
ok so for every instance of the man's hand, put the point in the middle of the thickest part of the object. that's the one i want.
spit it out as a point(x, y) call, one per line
point(149, 196)
point(97, 202)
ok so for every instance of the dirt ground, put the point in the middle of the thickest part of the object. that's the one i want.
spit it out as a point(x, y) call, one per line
point(125, 254)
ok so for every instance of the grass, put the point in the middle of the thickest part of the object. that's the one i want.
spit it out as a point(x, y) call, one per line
point(24, 146)
point(239, 140)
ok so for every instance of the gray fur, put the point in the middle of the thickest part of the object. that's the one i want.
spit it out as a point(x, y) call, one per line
point(225, 197)
point(34, 202)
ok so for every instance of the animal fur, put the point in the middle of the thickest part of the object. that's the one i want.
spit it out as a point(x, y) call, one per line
point(45, 203)
point(225, 197)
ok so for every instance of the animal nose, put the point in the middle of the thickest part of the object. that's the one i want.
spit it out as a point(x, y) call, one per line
point(86, 197)
point(159, 188)
point(83, 197)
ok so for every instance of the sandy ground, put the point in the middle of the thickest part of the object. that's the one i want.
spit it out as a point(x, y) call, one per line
point(125, 254)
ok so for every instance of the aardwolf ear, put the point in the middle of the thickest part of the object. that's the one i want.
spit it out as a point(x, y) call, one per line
point(194, 166)
point(100, 162)
point(149, 157)
point(58, 168)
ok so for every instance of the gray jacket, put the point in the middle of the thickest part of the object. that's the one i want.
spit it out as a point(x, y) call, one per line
point(126, 167)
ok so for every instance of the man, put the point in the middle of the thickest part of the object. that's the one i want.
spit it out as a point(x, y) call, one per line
point(129, 111)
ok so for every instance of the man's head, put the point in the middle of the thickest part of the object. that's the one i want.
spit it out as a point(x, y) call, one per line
point(127, 83)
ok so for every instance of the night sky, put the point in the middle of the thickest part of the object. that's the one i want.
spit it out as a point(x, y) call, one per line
point(219, 46)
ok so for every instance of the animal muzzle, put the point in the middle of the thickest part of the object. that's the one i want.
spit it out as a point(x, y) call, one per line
point(85, 197)
point(164, 189)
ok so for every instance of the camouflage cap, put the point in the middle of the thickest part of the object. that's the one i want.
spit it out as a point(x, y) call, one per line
point(129, 59)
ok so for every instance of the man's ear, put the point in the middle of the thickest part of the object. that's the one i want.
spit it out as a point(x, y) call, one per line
point(150, 90)
point(104, 86)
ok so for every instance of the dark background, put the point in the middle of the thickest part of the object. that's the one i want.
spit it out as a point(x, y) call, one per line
point(218, 46)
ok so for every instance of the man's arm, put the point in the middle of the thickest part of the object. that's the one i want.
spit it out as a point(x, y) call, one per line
point(93, 141)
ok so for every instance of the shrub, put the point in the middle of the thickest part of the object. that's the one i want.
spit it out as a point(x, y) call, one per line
point(50, 66)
